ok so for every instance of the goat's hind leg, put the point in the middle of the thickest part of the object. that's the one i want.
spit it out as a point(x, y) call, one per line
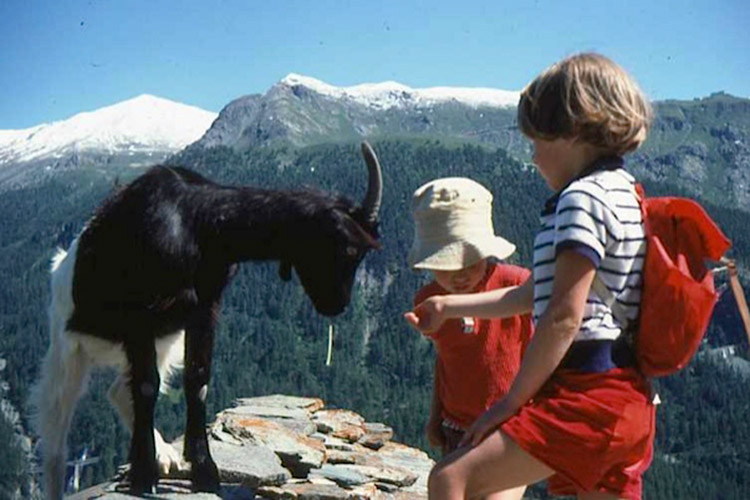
point(144, 389)
point(119, 396)
point(62, 380)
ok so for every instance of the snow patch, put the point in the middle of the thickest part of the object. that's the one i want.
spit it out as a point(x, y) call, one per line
point(144, 123)
point(386, 95)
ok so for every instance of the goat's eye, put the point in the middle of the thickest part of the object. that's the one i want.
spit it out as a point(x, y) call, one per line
point(351, 251)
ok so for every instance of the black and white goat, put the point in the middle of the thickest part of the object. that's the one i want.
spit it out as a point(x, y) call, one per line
point(140, 289)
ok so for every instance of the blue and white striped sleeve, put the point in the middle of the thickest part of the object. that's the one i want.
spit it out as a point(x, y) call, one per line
point(584, 221)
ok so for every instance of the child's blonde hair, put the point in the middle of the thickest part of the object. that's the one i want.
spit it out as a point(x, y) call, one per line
point(586, 96)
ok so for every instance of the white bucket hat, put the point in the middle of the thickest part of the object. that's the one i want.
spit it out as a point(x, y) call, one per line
point(453, 226)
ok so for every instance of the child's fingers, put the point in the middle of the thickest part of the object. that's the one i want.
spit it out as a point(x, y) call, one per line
point(468, 437)
point(477, 432)
point(421, 322)
point(412, 319)
point(479, 435)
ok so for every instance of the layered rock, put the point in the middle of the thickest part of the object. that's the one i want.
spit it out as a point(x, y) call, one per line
point(293, 448)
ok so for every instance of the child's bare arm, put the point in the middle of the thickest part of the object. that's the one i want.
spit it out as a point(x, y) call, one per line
point(503, 302)
point(554, 334)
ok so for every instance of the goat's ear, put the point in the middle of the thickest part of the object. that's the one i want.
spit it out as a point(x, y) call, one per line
point(355, 229)
point(285, 270)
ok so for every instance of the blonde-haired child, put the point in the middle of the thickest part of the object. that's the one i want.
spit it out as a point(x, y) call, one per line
point(579, 413)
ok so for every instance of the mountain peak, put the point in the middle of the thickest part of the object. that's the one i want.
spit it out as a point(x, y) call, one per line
point(142, 123)
point(389, 94)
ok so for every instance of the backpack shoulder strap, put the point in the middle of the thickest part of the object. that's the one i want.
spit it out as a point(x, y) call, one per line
point(604, 293)
point(610, 300)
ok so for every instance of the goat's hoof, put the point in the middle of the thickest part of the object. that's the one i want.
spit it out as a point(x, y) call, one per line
point(142, 482)
point(167, 457)
point(140, 488)
point(205, 477)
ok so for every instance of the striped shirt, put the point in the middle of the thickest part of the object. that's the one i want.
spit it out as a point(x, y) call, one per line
point(596, 215)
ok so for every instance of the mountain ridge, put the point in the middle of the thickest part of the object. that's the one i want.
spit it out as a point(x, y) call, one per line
point(302, 111)
point(388, 94)
point(701, 145)
point(140, 124)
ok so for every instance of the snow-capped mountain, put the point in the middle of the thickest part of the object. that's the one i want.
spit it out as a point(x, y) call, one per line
point(388, 95)
point(143, 124)
point(300, 110)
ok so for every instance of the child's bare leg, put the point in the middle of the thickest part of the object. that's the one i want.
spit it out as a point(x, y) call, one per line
point(496, 464)
point(512, 494)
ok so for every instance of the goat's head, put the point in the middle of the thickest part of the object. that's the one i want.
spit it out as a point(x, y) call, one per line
point(328, 261)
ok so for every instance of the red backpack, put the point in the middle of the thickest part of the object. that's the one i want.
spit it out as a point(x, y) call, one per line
point(678, 293)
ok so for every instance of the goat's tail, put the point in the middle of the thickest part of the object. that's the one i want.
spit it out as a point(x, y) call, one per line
point(63, 378)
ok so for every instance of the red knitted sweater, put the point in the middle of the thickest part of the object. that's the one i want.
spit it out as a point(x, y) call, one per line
point(476, 369)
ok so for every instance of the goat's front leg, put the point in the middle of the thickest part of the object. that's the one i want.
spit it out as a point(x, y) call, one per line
point(199, 339)
point(144, 387)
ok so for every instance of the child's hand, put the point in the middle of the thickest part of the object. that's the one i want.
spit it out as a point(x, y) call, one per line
point(428, 316)
point(488, 422)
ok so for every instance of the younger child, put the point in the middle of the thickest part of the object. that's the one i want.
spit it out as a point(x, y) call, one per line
point(579, 412)
point(477, 359)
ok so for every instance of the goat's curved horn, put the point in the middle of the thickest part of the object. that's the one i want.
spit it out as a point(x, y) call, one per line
point(371, 203)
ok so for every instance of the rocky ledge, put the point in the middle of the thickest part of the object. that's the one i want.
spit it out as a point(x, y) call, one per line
point(286, 448)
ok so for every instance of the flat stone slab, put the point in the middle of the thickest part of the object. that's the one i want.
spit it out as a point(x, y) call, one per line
point(282, 401)
point(342, 476)
point(168, 489)
point(296, 420)
point(411, 459)
point(381, 474)
point(406, 495)
point(298, 453)
point(335, 443)
point(161, 496)
point(311, 491)
point(292, 412)
point(268, 412)
point(248, 465)
point(376, 435)
point(344, 424)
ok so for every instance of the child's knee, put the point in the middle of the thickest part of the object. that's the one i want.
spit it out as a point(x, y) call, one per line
point(436, 479)
point(444, 477)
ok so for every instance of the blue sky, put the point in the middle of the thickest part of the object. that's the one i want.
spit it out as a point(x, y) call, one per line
point(61, 57)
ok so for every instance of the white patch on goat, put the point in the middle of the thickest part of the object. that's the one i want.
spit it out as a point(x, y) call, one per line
point(203, 393)
point(171, 214)
point(170, 357)
point(63, 377)
point(65, 370)
point(169, 354)
point(168, 458)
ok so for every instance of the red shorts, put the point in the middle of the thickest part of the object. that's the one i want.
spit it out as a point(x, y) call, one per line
point(595, 430)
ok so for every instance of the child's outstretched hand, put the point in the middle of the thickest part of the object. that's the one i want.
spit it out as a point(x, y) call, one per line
point(427, 316)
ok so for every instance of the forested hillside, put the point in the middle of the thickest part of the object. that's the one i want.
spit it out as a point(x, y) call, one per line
point(271, 340)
